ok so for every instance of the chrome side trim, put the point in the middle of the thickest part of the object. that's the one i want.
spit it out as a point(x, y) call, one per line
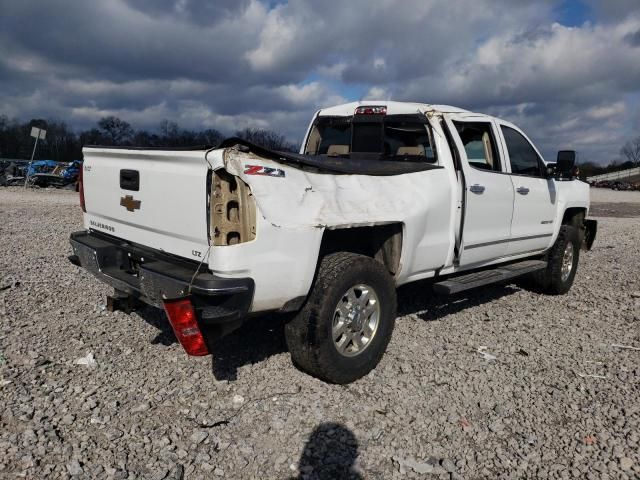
point(496, 242)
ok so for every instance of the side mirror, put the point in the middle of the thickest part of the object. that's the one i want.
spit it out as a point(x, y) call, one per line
point(565, 163)
point(550, 170)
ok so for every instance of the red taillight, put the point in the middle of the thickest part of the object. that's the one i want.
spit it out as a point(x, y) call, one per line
point(372, 110)
point(182, 318)
point(81, 189)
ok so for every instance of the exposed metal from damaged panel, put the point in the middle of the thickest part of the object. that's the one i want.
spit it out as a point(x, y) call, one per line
point(233, 210)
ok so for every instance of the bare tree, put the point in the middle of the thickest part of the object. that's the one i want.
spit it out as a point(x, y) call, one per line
point(210, 136)
point(169, 130)
point(63, 144)
point(631, 151)
point(115, 130)
point(60, 142)
point(267, 139)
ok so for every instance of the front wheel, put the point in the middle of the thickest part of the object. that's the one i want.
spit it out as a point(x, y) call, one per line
point(562, 263)
point(344, 328)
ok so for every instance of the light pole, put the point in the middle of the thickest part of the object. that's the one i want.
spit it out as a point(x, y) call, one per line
point(37, 133)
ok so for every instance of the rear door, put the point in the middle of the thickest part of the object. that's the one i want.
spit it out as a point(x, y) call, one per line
point(155, 198)
point(488, 192)
point(535, 202)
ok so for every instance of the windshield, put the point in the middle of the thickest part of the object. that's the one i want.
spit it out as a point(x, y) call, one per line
point(392, 137)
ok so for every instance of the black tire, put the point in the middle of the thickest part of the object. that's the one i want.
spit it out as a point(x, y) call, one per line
point(309, 335)
point(551, 280)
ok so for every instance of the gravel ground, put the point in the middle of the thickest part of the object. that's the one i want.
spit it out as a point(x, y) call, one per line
point(613, 203)
point(599, 195)
point(550, 397)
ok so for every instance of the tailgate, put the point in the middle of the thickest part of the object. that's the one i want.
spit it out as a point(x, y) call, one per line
point(156, 198)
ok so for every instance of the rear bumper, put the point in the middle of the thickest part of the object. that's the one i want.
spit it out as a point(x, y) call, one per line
point(221, 304)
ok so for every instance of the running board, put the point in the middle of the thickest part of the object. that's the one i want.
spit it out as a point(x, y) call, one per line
point(487, 277)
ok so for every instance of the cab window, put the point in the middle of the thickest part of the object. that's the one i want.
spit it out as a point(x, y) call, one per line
point(329, 137)
point(408, 138)
point(394, 137)
point(479, 145)
point(524, 159)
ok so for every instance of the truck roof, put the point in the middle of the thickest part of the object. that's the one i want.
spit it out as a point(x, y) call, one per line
point(393, 108)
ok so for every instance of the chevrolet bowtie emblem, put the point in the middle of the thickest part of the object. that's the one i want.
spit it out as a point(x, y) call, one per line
point(129, 203)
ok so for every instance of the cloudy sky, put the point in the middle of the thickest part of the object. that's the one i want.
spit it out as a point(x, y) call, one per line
point(567, 71)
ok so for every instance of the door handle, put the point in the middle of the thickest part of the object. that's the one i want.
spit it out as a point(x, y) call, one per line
point(476, 188)
point(522, 190)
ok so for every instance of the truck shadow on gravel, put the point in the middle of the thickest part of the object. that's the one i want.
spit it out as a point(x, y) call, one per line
point(157, 318)
point(258, 339)
point(263, 337)
point(418, 298)
point(255, 341)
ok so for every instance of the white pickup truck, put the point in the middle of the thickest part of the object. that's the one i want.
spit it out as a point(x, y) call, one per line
point(380, 194)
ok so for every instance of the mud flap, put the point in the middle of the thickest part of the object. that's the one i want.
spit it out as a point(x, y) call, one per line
point(590, 230)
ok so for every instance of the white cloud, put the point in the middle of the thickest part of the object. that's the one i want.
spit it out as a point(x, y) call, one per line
point(231, 64)
point(604, 112)
point(333, 71)
point(379, 62)
point(377, 93)
point(313, 93)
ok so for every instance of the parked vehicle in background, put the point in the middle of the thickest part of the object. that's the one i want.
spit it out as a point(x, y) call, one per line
point(381, 194)
point(41, 166)
point(47, 173)
point(616, 185)
point(42, 173)
point(625, 179)
point(11, 173)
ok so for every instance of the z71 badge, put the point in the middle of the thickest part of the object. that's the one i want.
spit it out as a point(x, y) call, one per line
point(259, 170)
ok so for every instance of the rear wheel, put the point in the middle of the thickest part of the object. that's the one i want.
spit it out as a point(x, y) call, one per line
point(344, 328)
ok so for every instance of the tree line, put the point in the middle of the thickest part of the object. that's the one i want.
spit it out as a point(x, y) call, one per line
point(62, 144)
point(630, 158)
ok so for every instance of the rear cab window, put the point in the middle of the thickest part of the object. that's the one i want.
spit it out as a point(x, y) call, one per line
point(389, 137)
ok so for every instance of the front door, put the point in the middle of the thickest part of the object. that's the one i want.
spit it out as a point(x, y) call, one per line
point(535, 202)
point(486, 230)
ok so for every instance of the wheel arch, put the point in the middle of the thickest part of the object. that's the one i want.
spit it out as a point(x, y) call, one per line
point(574, 216)
point(380, 242)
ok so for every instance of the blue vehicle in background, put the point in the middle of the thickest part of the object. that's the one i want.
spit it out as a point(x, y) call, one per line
point(48, 173)
point(72, 171)
point(41, 166)
point(41, 173)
